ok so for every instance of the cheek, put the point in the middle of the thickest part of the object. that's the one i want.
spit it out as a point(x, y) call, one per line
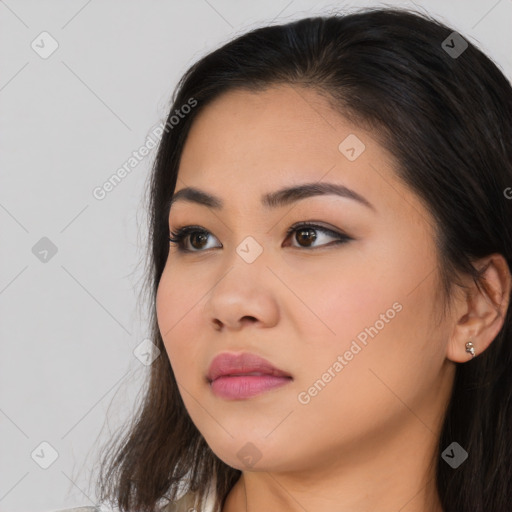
point(386, 361)
point(393, 283)
point(353, 298)
point(175, 306)
point(381, 315)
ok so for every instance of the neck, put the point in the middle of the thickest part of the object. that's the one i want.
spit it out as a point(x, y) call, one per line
point(386, 477)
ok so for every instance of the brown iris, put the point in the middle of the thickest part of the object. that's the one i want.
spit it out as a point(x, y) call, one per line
point(198, 235)
point(308, 234)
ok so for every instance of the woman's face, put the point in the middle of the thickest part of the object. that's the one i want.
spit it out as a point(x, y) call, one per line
point(352, 318)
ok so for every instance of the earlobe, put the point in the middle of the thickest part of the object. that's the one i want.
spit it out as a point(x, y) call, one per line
point(481, 312)
point(470, 348)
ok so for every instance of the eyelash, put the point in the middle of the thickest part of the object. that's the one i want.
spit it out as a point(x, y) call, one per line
point(178, 237)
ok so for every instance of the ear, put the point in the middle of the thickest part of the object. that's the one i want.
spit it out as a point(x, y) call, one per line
point(480, 311)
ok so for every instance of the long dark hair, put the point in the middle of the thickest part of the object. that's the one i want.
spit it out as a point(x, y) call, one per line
point(444, 111)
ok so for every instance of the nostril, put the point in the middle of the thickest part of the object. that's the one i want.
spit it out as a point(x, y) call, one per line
point(248, 319)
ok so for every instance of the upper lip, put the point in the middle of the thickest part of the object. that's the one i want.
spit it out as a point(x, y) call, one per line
point(241, 364)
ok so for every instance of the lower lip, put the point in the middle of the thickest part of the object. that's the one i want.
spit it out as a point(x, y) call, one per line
point(246, 386)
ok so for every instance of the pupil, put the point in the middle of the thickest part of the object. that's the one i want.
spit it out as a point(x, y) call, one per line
point(198, 235)
point(306, 232)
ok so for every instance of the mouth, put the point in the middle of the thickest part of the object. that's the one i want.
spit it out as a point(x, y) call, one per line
point(239, 387)
point(241, 376)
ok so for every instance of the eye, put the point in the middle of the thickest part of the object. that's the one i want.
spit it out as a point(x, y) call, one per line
point(306, 233)
point(196, 233)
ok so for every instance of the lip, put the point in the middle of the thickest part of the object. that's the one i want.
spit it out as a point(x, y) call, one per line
point(240, 376)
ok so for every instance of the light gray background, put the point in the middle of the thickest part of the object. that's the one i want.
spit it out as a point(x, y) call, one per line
point(69, 325)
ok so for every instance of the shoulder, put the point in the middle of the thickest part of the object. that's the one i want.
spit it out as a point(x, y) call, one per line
point(185, 504)
point(88, 508)
point(188, 503)
point(79, 509)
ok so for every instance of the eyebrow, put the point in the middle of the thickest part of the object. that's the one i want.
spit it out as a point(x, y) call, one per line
point(279, 198)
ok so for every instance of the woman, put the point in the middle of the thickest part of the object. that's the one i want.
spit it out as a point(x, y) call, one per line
point(331, 254)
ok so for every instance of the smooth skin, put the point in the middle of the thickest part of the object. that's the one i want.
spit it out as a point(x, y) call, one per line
point(365, 440)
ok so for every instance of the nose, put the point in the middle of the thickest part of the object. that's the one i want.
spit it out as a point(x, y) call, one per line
point(242, 297)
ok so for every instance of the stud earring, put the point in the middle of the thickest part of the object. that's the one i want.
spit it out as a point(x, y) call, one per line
point(470, 349)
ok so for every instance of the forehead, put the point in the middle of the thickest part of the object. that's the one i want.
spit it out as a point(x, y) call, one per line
point(246, 144)
point(281, 121)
